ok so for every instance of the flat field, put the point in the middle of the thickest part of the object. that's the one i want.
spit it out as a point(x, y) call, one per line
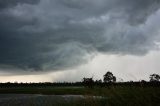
point(80, 96)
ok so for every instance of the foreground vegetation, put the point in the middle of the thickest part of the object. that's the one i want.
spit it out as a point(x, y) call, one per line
point(113, 95)
point(93, 93)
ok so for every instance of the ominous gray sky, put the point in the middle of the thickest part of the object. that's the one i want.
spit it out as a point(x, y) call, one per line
point(55, 35)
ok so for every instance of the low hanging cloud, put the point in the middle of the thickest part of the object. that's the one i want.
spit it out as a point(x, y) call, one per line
point(58, 34)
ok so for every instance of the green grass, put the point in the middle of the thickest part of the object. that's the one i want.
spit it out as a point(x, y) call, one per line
point(115, 96)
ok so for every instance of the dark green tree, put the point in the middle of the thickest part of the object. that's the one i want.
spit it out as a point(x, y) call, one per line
point(88, 82)
point(109, 77)
point(154, 77)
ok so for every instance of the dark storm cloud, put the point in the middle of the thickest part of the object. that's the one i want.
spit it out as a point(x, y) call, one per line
point(60, 34)
point(10, 3)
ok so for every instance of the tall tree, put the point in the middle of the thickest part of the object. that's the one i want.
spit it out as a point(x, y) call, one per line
point(109, 77)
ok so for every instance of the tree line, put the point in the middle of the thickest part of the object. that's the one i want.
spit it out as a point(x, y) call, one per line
point(108, 80)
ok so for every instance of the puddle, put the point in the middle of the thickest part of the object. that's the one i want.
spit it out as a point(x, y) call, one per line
point(40, 100)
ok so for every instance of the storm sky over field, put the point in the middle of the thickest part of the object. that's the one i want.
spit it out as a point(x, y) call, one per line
point(57, 40)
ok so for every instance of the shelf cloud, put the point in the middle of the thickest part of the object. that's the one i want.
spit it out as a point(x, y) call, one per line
point(41, 35)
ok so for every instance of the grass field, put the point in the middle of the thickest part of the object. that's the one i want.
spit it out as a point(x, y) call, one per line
point(113, 96)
